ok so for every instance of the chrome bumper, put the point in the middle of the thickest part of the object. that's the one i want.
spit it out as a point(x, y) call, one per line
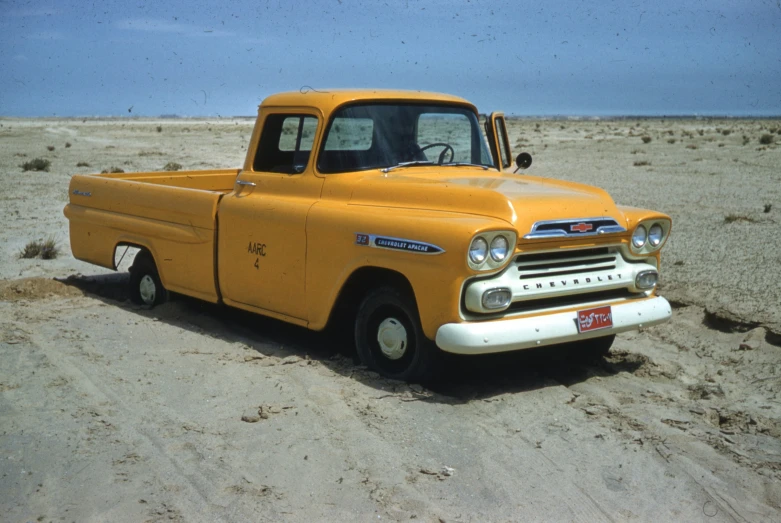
point(536, 331)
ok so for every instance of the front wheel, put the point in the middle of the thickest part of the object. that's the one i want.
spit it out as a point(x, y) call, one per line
point(145, 286)
point(389, 338)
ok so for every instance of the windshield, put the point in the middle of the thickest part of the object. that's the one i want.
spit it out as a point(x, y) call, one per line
point(386, 135)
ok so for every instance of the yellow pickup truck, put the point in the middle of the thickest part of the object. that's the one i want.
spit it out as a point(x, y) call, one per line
point(395, 210)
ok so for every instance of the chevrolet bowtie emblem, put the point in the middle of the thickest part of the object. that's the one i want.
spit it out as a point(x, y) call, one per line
point(581, 227)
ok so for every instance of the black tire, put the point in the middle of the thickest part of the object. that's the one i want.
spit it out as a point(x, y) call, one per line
point(593, 348)
point(146, 289)
point(405, 353)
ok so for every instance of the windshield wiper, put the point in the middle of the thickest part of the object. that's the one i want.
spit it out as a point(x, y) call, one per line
point(467, 164)
point(408, 164)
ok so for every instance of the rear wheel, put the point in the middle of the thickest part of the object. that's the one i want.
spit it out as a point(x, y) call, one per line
point(145, 286)
point(389, 338)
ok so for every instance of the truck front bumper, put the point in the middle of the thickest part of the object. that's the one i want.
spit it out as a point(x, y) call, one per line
point(536, 331)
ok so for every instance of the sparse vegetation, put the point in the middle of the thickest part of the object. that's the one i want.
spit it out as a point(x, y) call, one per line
point(732, 218)
point(646, 139)
point(172, 166)
point(726, 132)
point(746, 140)
point(766, 139)
point(671, 140)
point(38, 164)
point(82, 164)
point(691, 146)
point(44, 249)
point(67, 145)
point(767, 208)
point(159, 128)
point(50, 147)
point(641, 163)
point(112, 170)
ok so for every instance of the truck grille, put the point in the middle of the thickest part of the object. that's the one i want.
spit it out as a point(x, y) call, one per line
point(551, 264)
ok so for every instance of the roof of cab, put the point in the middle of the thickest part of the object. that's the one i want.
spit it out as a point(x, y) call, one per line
point(327, 100)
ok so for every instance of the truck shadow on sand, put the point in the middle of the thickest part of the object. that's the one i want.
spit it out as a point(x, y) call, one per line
point(461, 379)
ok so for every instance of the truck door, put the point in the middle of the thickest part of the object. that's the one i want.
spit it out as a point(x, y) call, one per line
point(262, 223)
point(496, 130)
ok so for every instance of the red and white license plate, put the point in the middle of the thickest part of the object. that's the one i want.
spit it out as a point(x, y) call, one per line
point(595, 319)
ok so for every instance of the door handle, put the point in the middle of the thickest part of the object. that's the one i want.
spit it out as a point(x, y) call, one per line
point(242, 182)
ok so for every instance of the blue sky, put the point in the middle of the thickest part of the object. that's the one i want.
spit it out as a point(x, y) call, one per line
point(191, 58)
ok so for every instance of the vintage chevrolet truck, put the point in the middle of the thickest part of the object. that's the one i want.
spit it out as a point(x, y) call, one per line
point(395, 211)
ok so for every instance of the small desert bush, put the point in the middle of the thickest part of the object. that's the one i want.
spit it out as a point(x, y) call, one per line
point(768, 206)
point(671, 140)
point(38, 164)
point(732, 218)
point(82, 164)
point(112, 170)
point(44, 249)
point(746, 140)
point(766, 139)
point(641, 163)
point(50, 147)
point(67, 144)
point(691, 146)
point(172, 166)
point(159, 128)
point(646, 139)
point(726, 132)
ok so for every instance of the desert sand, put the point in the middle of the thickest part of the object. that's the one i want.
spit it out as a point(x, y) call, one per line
point(193, 412)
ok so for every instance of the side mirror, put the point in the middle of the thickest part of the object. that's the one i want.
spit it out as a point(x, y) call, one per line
point(523, 161)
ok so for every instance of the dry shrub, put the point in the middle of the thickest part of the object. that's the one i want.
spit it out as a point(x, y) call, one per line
point(67, 145)
point(38, 164)
point(112, 170)
point(50, 147)
point(641, 163)
point(646, 139)
point(82, 164)
point(766, 139)
point(691, 146)
point(172, 166)
point(671, 140)
point(44, 249)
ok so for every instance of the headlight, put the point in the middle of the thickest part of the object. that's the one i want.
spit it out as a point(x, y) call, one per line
point(478, 250)
point(499, 248)
point(655, 234)
point(639, 237)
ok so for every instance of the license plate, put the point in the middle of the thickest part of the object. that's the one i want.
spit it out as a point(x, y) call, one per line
point(595, 319)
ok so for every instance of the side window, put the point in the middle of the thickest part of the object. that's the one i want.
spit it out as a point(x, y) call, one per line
point(350, 134)
point(502, 135)
point(285, 143)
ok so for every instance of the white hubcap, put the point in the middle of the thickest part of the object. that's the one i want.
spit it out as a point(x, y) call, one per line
point(147, 289)
point(392, 337)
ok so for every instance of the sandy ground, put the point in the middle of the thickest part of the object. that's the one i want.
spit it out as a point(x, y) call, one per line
point(113, 413)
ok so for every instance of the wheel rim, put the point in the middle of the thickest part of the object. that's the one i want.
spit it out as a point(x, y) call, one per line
point(147, 289)
point(392, 338)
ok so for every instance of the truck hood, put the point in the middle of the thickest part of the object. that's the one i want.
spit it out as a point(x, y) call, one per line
point(519, 200)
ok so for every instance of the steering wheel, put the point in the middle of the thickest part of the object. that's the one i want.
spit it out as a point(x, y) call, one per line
point(447, 148)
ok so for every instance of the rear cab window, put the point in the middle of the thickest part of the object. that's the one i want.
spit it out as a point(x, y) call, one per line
point(285, 143)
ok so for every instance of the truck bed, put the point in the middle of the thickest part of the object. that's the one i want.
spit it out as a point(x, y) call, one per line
point(172, 214)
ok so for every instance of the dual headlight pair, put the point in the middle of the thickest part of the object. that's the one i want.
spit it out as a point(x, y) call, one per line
point(490, 250)
point(650, 236)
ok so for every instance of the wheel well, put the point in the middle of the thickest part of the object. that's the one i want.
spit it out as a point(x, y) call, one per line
point(125, 254)
point(358, 284)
